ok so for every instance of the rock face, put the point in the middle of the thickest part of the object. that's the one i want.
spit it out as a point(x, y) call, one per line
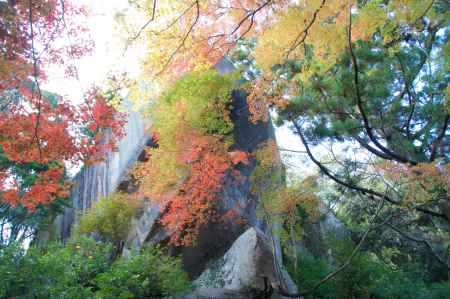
point(216, 238)
point(231, 258)
point(209, 293)
point(248, 264)
point(101, 179)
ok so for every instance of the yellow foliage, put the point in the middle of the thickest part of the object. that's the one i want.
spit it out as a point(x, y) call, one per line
point(309, 22)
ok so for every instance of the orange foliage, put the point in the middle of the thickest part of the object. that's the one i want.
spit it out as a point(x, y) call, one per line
point(193, 206)
point(423, 182)
point(47, 187)
point(45, 136)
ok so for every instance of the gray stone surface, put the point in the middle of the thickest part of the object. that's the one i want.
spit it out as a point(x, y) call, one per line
point(100, 179)
point(140, 226)
point(211, 293)
point(244, 266)
point(248, 266)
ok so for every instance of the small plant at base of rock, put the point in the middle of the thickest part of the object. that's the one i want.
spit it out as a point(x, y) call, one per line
point(150, 273)
point(110, 218)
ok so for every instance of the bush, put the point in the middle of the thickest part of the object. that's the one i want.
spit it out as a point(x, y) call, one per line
point(309, 271)
point(54, 272)
point(110, 217)
point(83, 268)
point(440, 290)
point(150, 273)
point(367, 276)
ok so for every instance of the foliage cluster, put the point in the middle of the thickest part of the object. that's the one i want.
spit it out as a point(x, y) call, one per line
point(109, 218)
point(150, 273)
point(41, 132)
point(193, 156)
point(367, 276)
point(276, 199)
point(84, 268)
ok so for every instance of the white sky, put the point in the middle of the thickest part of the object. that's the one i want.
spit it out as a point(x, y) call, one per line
point(107, 56)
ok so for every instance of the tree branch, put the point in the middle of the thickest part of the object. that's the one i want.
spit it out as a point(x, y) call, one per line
point(300, 39)
point(197, 17)
point(146, 24)
point(439, 139)
point(425, 242)
point(359, 104)
point(348, 260)
point(371, 193)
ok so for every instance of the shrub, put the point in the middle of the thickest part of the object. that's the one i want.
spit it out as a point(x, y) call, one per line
point(366, 276)
point(110, 217)
point(150, 273)
point(54, 272)
point(83, 268)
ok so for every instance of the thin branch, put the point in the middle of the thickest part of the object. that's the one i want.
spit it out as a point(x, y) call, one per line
point(425, 242)
point(197, 17)
point(146, 24)
point(371, 193)
point(251, 14)
point(348, 260)
point(292, 151)
point(300, 39)
point(35, 76)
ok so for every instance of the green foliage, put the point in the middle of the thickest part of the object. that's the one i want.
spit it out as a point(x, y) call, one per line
point(198, 104)
point(110, 217)
point(206, 98)
point(309, 271)
point(83, 268)
point(367, 276)
point(150, 273)
point(54, 272)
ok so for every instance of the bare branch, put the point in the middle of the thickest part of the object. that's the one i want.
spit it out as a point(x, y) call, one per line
point(146, 24)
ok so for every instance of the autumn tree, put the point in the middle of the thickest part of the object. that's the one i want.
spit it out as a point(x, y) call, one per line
point(41, 132)
point(369, 75)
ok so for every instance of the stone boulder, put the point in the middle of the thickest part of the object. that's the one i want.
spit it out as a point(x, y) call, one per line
point(247, 267)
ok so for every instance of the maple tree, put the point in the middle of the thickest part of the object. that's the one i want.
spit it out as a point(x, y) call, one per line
point(39, 131)
point(186, 171)
point(331, 64)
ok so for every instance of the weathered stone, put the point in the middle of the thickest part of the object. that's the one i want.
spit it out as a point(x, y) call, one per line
point(101, 179)
point(140, 225)
point(248, 266)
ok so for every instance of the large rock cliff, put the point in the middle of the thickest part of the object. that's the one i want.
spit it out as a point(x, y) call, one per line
point(246, 253)
point(101, 179)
